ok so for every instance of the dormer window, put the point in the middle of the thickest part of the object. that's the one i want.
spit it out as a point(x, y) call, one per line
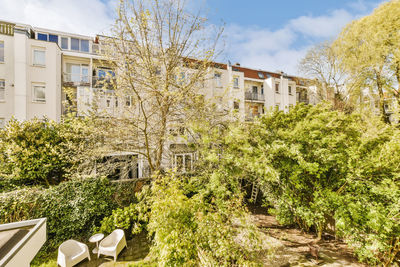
point(261, 75)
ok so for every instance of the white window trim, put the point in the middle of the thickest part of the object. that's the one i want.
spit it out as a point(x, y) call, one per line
point(4, 52)
point(218, 81)
point(192, 159)
point(4, 89)
point(42, 49)
point(279, 88)
point(34, 100)
point(236, 86)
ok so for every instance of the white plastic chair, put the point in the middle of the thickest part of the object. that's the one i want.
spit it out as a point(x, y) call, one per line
point(112, 244)
point(71, 252)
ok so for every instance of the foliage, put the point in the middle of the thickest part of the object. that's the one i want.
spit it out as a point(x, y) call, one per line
point(322, 170)
point(368, 49)
point(72, 208)
point(133, 218)
point(39, 152)
point(196, 227)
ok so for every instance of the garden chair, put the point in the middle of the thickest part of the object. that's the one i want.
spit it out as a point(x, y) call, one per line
point(112, 244)
point(72, 252)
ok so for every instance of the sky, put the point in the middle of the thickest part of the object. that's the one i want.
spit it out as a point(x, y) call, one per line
point(263, 34)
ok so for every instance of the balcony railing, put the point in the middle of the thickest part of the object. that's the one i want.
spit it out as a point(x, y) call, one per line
point(250, 116)
point(76, 79)
point(303, 100)
point(254, 96)
point(103, 82)
point(6, 28)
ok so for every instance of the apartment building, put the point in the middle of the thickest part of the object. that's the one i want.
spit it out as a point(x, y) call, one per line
point(41, 70)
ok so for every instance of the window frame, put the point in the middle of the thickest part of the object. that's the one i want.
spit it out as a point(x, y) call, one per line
point(235, 82)
point(2, 47)
point(3, 90)
point(277, 89)
point(290, 90)
point(61, 42)
point(183, 155)
point(218, 79)
point(37, 49)
point(34, 98)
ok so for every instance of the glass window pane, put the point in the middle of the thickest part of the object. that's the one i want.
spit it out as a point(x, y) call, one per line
point(1, 51)
point(75, 44)
point(39, 94)
point(84, 45)
point(179, 162)
point(64, 42)
point(85, 74)
point(53, 38)
point(42, 36)
point(39, 57)
point(2, 90)
point(188, 163)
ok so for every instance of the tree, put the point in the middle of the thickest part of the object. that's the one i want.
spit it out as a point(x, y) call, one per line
point(368, 49)
point(331, 80)
point(45, 152)
point(161, 55)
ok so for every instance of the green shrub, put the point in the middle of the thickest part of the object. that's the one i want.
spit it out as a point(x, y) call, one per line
point(72, 208)
point(322, 170)
point(133, 218)
point(192, 229)
point(39, 152)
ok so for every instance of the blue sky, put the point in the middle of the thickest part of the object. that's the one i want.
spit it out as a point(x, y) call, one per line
point(265, 34)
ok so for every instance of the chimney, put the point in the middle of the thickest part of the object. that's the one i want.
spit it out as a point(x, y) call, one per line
point(237, 64)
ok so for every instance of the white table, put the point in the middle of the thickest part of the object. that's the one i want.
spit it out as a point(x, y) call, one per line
point(96, 239)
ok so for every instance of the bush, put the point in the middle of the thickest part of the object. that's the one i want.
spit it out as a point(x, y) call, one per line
point(72, 208)
point(133, 218)
point(323, 170)
point(196, 228)
point(39, 152)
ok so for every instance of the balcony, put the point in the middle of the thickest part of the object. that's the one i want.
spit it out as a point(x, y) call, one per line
point(73, 79)
point(103, 82)
point(250, 116)
point(254, 97)
point(7, 28)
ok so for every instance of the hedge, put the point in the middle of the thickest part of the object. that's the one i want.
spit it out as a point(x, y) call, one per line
point(72, 208)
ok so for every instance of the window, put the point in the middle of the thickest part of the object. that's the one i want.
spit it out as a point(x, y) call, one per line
point(39, 57)
point(64, 42)
point(79, 45)
point(235, 105)
point(1, 51)
point(84, 46)
point(128, 101)
point(77, 73)
point(277, 88)
point(260, 75)
point(262, 89)
point(116, 102)
point(39, 93)
point(183, 162)
point(42, 36)
point(217, 78)
point(75, 44)
point(2, 90)
point(290, 90)
point(236, 82)
point(255, 90)
point(53, 38)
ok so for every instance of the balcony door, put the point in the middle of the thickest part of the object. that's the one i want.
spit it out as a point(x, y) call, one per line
point(77, 73)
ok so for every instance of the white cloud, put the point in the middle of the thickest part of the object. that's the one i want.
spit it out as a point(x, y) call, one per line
point(283, 48)
point(326, 26)
point(88, 17)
